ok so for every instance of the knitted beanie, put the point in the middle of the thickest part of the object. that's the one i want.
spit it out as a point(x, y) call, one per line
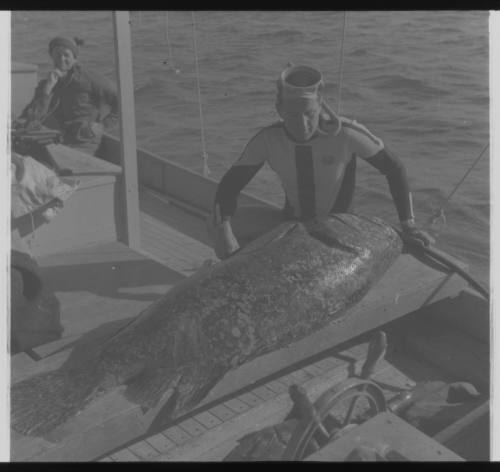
point(65, 43)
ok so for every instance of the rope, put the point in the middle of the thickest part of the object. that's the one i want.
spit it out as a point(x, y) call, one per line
point(204, 154)
point(341, 66)
point(439, 214)
point(443, 259)
point(170, 61)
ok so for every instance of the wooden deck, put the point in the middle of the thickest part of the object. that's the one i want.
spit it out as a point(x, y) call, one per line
point(102, 286)
point(171, 235)
point(99, 287)
point(210, 434)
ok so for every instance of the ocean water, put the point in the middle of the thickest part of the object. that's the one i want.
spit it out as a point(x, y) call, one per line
point(418, 80)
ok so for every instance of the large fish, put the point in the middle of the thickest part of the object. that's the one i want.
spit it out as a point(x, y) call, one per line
point(280, 288)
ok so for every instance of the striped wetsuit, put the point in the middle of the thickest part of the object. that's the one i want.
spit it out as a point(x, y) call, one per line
point(318, 176)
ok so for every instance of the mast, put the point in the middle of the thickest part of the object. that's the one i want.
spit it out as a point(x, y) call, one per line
point(123, 51)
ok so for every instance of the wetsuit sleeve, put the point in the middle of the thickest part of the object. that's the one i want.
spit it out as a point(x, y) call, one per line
point(37, 109)
point(362, 142)
point(370, 148)
point(391, 166)
point(237, 177)
point(106, 97)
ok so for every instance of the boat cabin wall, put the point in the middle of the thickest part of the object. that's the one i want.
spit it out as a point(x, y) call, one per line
point(172, 179)
point(23, 84)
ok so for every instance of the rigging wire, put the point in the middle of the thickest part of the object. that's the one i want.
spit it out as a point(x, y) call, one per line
point(341, 66)
point(204, 154)
point(439, 214)
point(170, 60)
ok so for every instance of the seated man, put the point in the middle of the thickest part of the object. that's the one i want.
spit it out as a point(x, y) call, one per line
point(314, 152)
point(72, 99)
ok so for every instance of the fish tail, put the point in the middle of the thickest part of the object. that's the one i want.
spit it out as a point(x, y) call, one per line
point(43, 402)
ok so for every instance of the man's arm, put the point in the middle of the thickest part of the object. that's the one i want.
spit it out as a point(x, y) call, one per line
point(106, 96)
point(391, 166)
point(219, 226)
point(230, 186)
point(37, 109)
point(372, 149)
point(226, 196)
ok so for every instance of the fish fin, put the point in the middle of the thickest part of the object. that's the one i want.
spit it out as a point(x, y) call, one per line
point(185, 390)
point(165, 414)
point(149, 386)
point(201, 391)
point(268, 238)
point(319, 230)
point(43, 402)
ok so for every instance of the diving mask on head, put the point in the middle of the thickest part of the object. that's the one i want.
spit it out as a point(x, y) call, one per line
point(300, 86)
point(300, 82)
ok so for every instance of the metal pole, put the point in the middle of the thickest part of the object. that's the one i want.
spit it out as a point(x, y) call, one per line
point(123, 51)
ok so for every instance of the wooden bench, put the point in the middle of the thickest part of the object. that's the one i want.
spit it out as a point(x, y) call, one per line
point(93, 214)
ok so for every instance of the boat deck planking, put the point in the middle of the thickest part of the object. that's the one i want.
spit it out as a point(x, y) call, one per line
point(251, 409)
point(173, 248)
point(102, 286)
point(88, 282)
point(99, 288)
point(268, 404)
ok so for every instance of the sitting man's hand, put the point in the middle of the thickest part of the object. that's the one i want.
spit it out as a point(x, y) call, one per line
point(52, 79)
point(97, 128)
point(412, 235)
point(110, 122)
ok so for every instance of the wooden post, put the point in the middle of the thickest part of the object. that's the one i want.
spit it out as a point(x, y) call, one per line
point(123, 48)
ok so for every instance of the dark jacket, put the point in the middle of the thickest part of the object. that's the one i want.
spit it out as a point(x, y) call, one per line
point(35, 310)
point(77, 100)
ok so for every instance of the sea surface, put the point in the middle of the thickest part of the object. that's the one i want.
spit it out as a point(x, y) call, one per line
point(418, 80)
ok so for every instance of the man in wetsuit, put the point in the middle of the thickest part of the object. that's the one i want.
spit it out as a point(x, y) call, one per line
point(314, 153)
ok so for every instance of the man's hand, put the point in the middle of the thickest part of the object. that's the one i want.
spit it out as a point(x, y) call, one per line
point(110, 122)
point(413, 235)
point(224, 241)
point(52, 79)
point(97, 128)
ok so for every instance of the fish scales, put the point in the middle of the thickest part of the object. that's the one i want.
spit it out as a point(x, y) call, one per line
point(280, 288)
